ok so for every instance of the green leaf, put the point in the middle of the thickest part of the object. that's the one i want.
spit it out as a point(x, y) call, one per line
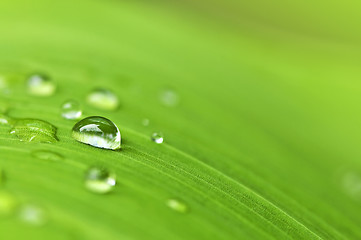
point(261, 137)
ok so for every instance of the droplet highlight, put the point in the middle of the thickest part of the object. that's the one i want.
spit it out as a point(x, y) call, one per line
point(47, 155)
point(177, 205)
point(157, 137)
point(103, 99)
point(34, 130)
point(33, 215)
point(99, 180)
point(40, 85)
point(169, 98)
point(4, 119)
point(98, 132)
point(71, 110)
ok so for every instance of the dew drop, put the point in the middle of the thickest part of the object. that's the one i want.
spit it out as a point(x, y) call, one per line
point(7, 203)
point(47, 155)
point(34, 130)
point(71, 110)
point(177, 205)
point(3, 83)
point(145, 122)
point(98, 132)
point(41, 85)
point(4, 119)
point(157, 138)
point(99, 180)
point(33, 215)
point(103, 99)
point(6, 81)
point(352, 185)
point(169, 98)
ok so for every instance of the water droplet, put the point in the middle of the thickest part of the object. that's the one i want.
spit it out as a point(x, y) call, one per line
point(177, 205)
point(98, 132)
point(47, 155)
point(7, 203)
point(352, 184)
point(145, 122)
point(41, 85)
point(33, 215)
point(169, 98)
point(71, 110)
point(103, 99)
point(157, 138)
point(34, 130)
point(99, 180)
point(3, 82)
point(4, 119)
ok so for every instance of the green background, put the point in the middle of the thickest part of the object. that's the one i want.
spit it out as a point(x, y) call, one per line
point(264, 144)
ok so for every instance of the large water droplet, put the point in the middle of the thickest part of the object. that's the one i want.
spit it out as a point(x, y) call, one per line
point(33, 215)
point(41, 85)
point(169, 98)
point(99, 180)
point(157, 137)
point(47, 155)
point(177, 205)
point(103, 99)
point(34, 130)
point(7, 203)
point(71, 110)
point(98, 132)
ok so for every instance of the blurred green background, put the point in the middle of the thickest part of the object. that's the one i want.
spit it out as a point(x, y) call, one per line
point(265, 141)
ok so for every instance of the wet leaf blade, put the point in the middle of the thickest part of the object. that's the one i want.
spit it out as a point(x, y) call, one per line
point(255, 146)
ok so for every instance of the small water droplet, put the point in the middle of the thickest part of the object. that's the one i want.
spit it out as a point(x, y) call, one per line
point(7, 203)
point(352, 184)
point(177, 205)
point(98, 132)
point(145, 122)
point(4, 119)
point(71, 110)
point(33, 215)
point(3, 82)
point(34, 130)
point(157, 138)
point(103, 99)
point(169, 98)
point(47, 155)
point(41, 85)
point(7, 91)
point(99, 180)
